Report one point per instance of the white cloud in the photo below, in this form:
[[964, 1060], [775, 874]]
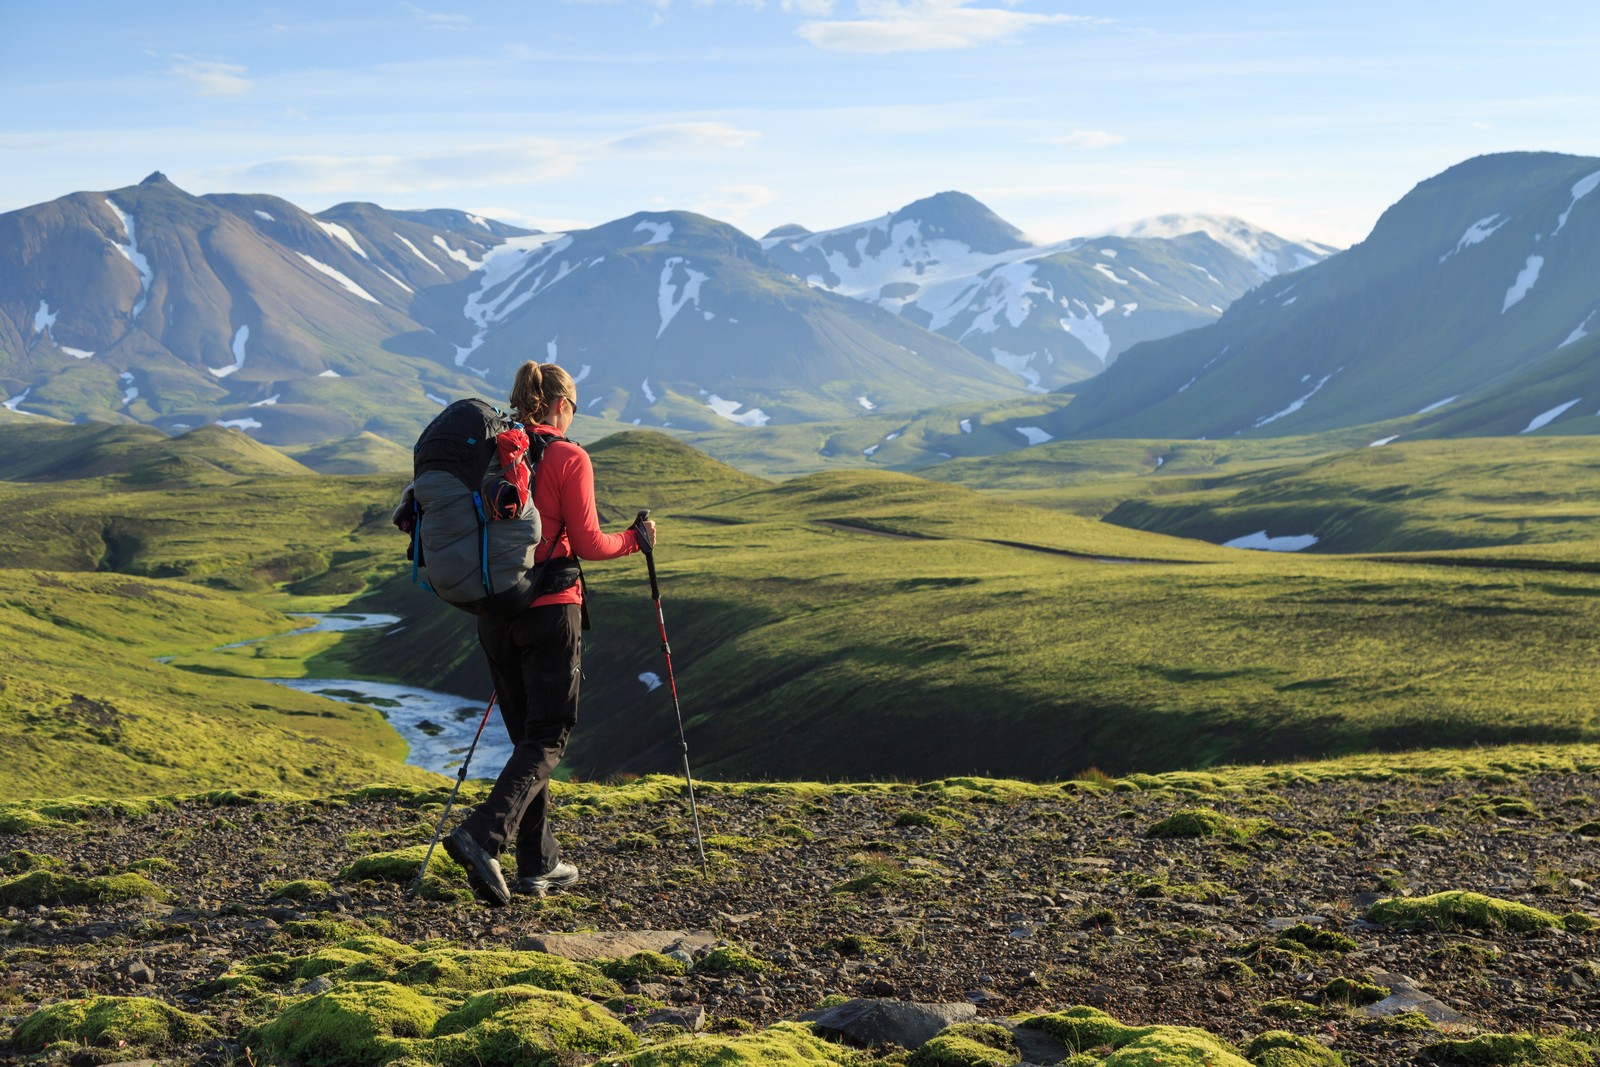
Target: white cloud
[[812, 8], [437, 20], [1085, 139], [520, 161], [679, 137], [214, 79], [924, 26]]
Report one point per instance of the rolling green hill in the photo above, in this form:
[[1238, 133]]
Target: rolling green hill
[[853, 624]]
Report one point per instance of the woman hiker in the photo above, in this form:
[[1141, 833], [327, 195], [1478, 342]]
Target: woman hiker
[[534, 656]]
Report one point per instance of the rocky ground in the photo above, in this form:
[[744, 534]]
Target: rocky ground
[[1173, 906]]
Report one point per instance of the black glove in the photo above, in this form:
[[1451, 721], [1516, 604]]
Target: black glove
[[644, 530]]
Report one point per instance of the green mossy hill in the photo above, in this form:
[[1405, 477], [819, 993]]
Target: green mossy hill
[[50, 888], [1516, 1050], [137, 454], [107, 1022], [1459, 910], [87, 708], [1082, 1029]]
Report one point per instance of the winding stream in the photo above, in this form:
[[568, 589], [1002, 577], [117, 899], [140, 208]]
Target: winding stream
[[437, 726]]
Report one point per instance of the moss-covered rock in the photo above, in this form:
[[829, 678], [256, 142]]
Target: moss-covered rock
[[1458, 910], [445, 879], [360, 1024], [301, 889], [524, 1025], [782, 1045], [1315, 939], [1352, 992], [1513, 1050], [49, 887], [641, 965], [145, 1025], [1279, 1048], [1081, 1029], [968, 1045], [729, 958]]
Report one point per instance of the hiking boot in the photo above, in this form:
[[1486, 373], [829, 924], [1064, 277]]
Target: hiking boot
[[483, 870], [560, 876]]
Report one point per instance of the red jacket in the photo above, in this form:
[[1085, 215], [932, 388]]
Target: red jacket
[[563, 491]]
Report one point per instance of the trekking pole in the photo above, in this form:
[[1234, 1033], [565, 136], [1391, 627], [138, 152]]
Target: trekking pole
[[461, 776], [672, 683]]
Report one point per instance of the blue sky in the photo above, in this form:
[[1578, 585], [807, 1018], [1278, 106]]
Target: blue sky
[[1307, 118]]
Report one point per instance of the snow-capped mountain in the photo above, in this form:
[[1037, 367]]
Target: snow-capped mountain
[[1052, 314], [1472, 308]]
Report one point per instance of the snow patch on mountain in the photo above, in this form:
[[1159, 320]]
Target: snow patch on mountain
[[1089, 332], [649, 395], [1018, 364], [343, 280], [500, 285], [1297, 405], [1582, 189], [672, 295], [456, 254], [11, 403], [264, 217], [330, 373], [1035, 435], [866, 404], [268, 402], [441, 401], [1380, 442], [966, 425], [1542, 420], [130, 392], [240, 338], [342, 235], [131, 251], [478, 220], [1477, 232], [582, 374], [418, 253], [1525, 281], [76, 353], [1437, 404], [44, 318], [397, 281], [1580, 333], [659, 231], [1262, 543], [1109, 273], [239, 424], [729, 409], [1234, 234]]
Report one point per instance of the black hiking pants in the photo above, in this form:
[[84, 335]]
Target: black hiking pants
[[534, 663]]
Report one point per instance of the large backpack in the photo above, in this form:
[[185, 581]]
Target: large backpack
[[473, 525]]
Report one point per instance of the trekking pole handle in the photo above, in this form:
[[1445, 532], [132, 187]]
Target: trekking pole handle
[[649, 552]]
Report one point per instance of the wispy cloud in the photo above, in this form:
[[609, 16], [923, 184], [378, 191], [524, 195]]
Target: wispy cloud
[[924, 26], [1085, 139], [735, 203], [208, 78], [438, 20], [520, 161]]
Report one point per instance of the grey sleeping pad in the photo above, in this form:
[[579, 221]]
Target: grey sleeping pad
[[458, 542]]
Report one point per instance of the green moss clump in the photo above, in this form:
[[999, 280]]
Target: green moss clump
[[1278, 1048], [325, 929], [780, 1045], [1207, 822], [1513, 1050], [637, 842], [20, 819], [1405, 1022], [641, 965], [21, 861], [144, 1024], [1588, 829], [445, 879], [1512, 808], [47, 887], [1352, 992], [1289, 1008], [1317, 940], [1458, 910], [1424, 832], [728, 958], [301, 889], [968, 1045], [1236, 971], [521, 1024], [1081, 1028], [1578, 923], [355, 1025]]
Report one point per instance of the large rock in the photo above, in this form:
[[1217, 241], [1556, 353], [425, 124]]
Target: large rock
[[617, 944], [890, 1022], [1405, 996]]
